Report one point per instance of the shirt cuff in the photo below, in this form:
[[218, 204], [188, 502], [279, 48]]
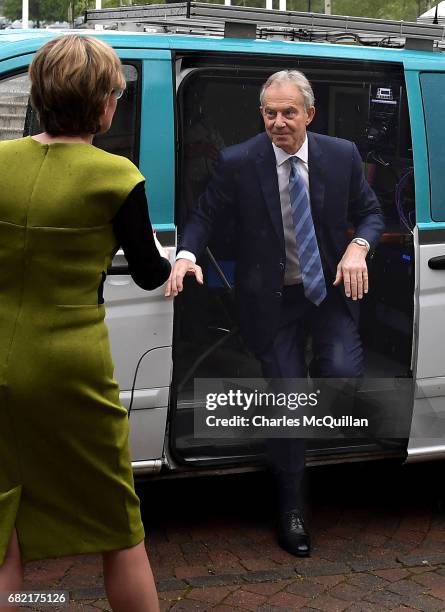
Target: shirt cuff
[[186, 255]]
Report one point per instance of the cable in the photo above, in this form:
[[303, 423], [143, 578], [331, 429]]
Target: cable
[[399, 189], [155, 348]]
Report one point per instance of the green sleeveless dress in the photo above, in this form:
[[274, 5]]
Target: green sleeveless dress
[[65, 471]]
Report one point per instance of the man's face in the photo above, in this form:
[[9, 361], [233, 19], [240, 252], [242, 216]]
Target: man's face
[[285, 117]]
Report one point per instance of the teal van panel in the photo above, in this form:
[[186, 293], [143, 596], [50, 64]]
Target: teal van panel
[[418, 138], [25, 42], [157, 138], [432, 225], [433, 95], [14, 64]]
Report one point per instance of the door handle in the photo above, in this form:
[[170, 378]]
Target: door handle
[[437, 263]]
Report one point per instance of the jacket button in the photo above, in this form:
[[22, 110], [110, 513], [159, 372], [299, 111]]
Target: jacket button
[[278, 294], [281, 265]]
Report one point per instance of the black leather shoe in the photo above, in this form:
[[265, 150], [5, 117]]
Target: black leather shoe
[[293, 535]]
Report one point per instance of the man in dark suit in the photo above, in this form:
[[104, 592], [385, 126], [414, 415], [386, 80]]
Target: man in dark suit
[[293, 195]]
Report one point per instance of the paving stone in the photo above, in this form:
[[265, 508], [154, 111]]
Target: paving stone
[[88, 593], [372, 564], [193, 548], [329, 604], [281, 557], [170, 585], [245, 599], [348, 592], [222, 556], [102, 604], [337, 556], [188, 605], [185, 571], [227, 567], [288, 600], [172, 595], [430, 579], [425, 603], [211, 595], [306, 588], [258, 564], [364, 606], [366, 581], [269, 608], [329, 581], [422, 569], [386, 599], [428, 559], [437, 535], [402, 548], [324, 568], [266, 588], [438, 592], [269, 575], [392, 575], [373, 539], [411, 537], [207, 581], [406, 587]]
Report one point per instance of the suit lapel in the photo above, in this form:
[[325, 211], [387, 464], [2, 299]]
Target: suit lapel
[[316, 177], [266, 165]]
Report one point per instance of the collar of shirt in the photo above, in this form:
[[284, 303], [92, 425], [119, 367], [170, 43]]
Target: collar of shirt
[[302, 153]]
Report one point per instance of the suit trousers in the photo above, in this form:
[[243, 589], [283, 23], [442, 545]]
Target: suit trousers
[[336, 353]]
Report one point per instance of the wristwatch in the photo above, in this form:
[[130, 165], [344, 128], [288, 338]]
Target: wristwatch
[[362, 242]]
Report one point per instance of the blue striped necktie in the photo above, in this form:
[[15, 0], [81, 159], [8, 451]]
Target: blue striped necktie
[[307, 247]]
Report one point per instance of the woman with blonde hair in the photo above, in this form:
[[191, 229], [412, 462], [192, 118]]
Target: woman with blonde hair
[[66, 483]]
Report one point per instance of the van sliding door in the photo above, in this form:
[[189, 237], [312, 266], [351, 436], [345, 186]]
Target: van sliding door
[[218, 106], [427, 96]]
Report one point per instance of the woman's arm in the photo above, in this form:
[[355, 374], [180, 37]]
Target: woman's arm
[[134, 232]]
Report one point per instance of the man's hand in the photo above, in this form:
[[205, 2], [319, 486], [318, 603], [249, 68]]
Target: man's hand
[[180, 269], [353, 271]]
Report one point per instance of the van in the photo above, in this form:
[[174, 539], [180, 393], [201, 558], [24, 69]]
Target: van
[[188, 95]]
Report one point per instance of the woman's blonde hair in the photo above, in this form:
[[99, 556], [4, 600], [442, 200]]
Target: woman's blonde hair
[[71, 77]]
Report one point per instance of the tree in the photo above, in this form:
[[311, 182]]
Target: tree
[[47, 10]]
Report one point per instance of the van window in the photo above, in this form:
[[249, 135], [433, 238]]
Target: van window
[[18, 119], [433, 96], [14, 96]]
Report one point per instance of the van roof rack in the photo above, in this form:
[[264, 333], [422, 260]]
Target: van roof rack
[[203, 18]]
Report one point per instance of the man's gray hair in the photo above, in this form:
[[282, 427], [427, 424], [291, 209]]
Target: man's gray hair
[[291, 76]]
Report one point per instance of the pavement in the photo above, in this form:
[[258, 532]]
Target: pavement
[[378, 544]]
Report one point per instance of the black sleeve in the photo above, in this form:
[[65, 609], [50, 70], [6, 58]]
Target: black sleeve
[[134, 232]]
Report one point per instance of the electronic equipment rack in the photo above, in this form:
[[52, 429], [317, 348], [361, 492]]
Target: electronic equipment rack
[[200, 18]]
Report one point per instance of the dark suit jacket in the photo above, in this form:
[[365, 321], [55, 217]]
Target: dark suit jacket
[[245, 185]]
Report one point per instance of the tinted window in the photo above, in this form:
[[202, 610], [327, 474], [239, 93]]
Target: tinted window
[[14, 96], [433, 95], [17, 118]]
